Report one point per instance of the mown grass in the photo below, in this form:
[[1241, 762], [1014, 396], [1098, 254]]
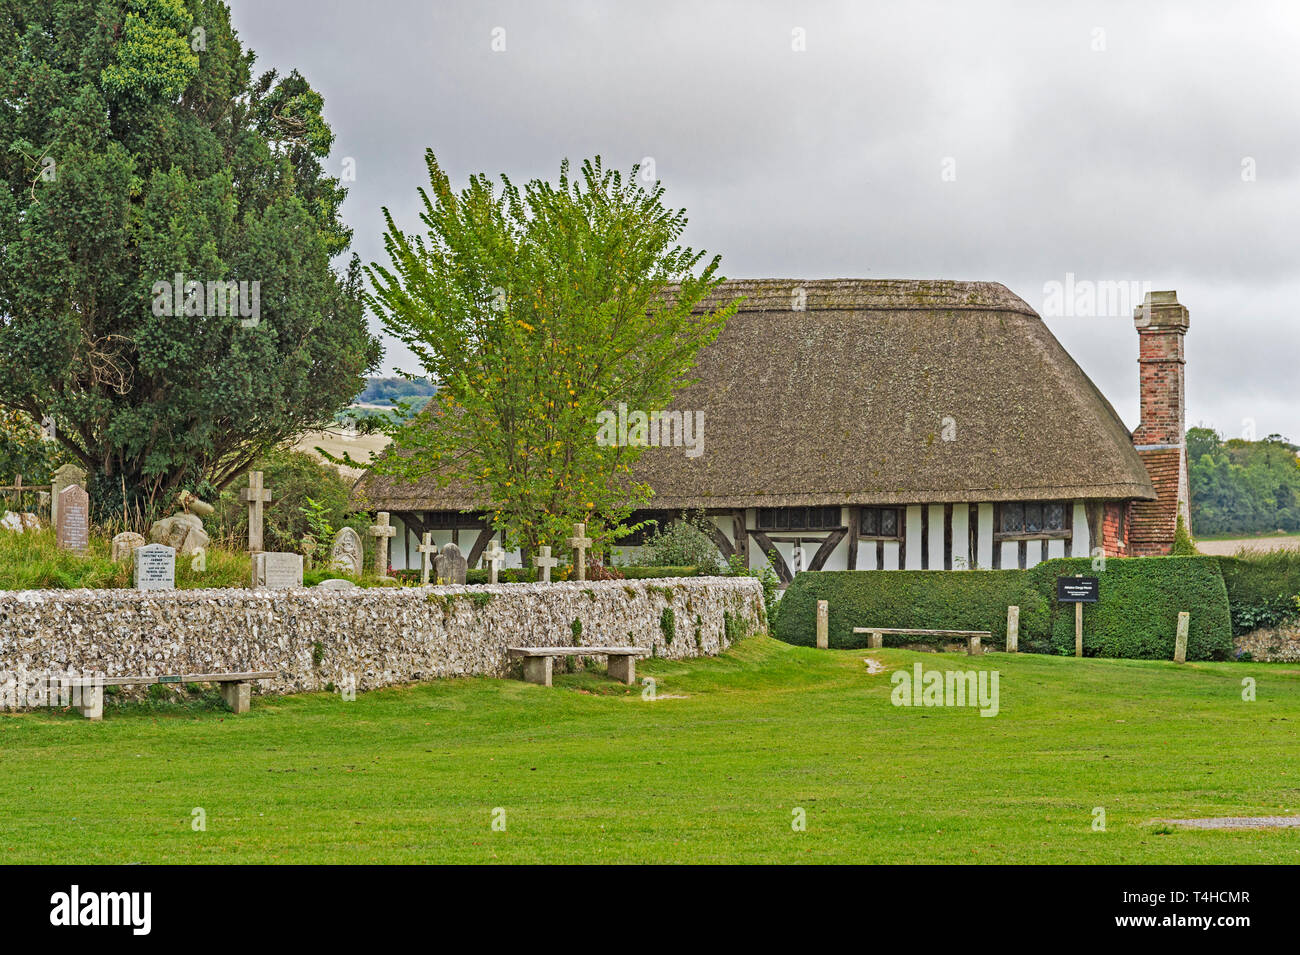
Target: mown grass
[[711, 771]]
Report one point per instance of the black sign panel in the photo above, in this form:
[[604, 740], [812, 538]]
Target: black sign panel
[[1077, 590]]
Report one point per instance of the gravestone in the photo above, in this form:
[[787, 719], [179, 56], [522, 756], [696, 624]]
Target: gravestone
[[428, 552], [335, 583], [346, 554], [494, 557], [155, 567], [273, 570], [451, 566], [124, 545], [72, 531], [544, 562], [382, 531], [580, 542], [65, 476]]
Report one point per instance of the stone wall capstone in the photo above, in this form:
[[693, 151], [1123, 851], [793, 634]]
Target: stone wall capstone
[[365, 637]]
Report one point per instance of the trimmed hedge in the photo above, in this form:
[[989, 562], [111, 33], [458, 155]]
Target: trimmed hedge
[[910, 599], [1136, 618]]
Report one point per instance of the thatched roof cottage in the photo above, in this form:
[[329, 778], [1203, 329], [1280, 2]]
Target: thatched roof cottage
[[870, 424]]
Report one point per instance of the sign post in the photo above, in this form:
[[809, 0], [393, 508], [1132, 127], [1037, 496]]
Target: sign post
[[1078, 590]]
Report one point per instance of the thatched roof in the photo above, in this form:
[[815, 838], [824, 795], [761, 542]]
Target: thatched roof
[[849, 401]]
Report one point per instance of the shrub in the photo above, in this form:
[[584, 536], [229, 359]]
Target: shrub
[[1262, 588], [685, 541], [294, 478], [1137, 616], [668, 624], [911, 599]]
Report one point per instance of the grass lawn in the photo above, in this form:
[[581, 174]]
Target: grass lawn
[[588, 772]]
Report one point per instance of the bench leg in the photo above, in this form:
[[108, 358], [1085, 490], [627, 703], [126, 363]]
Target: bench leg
[[91, 703], [622, 667], [973, 647], [237, 695], [875, 640], [538, 670]]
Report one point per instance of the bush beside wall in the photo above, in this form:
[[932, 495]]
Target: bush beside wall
[[911, 599], [1136, 618], [1262, 589]]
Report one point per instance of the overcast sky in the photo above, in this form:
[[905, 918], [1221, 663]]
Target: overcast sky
[[1139, 142]]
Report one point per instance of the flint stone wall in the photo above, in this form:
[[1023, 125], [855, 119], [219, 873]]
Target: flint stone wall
[[1271, 644], [375, 636]]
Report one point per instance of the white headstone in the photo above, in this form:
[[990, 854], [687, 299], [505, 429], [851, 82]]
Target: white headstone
[[155, 567]]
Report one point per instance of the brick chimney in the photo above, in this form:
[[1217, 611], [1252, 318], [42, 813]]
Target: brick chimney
[[1160, 436]]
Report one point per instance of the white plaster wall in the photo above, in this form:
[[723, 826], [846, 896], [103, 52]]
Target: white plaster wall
[[913, 526], [984, 537], [961, 537], [1081, 543]]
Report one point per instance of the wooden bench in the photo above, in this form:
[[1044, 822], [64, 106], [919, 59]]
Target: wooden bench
[[972, 637], [236, 688], [539, 660]]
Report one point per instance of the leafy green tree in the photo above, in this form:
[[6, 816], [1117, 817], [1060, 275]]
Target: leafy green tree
[[1242, 487], [136, 146], [532, 311]]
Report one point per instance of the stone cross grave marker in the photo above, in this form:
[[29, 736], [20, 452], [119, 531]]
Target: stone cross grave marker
[[428, 551], [494, 557], [544, 562], [155, 567], [276, 571], [580, 542], [255, 496], [381, 531], [72, 532], [451, 565]]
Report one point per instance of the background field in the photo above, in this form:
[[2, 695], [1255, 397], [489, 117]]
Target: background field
[[588, 771]]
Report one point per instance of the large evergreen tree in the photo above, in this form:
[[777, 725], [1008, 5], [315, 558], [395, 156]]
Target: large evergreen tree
[[136, 145]]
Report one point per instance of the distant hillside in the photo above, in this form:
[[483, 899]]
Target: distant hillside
[[1242, 487], [387, 391]]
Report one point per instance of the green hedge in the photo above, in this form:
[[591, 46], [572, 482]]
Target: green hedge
[[1262, 588], [1137, 616], [910, 599]]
